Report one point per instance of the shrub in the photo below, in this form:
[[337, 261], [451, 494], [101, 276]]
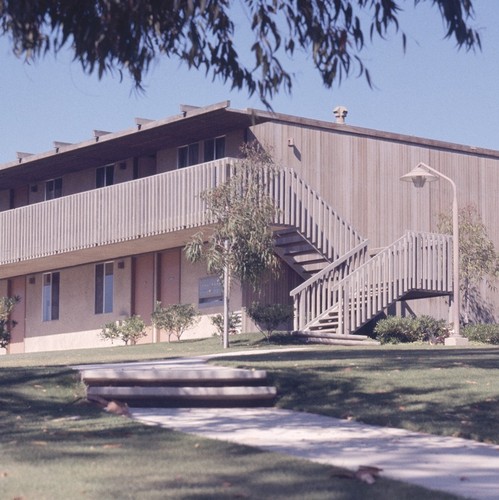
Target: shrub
[[432, 330], [268, 317], [6, 306], [485, 333], [129, 330], [395, 330], [174, 319], [234, 323]]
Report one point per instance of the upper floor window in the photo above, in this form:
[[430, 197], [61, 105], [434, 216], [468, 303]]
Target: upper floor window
[[188, 155], [50, 296], [214, 149], [104, 176], [104, 287], [53, 189]]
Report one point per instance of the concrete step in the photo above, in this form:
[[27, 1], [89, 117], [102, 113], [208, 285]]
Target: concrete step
[[177, 384], [142, 376], [166, 395], [319, 337], [331, 334]]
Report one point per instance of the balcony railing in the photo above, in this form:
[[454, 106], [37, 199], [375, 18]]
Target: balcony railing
[[137, 209], [157, 205]]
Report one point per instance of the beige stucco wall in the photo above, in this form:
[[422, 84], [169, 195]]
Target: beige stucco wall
[[76, 305], [79, 327]]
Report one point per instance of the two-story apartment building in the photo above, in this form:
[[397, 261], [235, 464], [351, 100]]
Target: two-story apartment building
[[93, 232]]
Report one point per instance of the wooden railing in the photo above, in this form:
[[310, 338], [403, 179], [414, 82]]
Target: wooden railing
[[302, 207], [145, 207], [417, 261], [313, 297], [159, 204]]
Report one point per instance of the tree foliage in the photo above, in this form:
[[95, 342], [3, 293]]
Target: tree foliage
[[174, 319], [478, 258], [107, 35], [234, 323], [7, 304], [242, 239], [241, 244]]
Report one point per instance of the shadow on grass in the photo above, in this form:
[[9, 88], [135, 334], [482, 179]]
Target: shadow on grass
[[439, 391]]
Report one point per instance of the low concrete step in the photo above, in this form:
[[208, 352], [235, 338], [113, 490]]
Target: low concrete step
[[324, 337], [134, 393], [170, 375], [183, 384], [331, 334], [322, 340]]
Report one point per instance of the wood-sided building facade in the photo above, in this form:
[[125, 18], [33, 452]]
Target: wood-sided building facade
[[93, 232]]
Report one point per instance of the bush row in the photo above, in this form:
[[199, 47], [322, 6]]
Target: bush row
[[486, 333], [395, 330]]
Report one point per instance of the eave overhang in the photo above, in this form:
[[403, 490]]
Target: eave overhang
[[144, 140]]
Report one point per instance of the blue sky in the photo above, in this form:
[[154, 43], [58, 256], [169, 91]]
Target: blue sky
[[431, 91]]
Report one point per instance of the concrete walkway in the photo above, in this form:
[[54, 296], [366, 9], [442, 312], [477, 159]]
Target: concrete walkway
[[453, 465], [462, 467]]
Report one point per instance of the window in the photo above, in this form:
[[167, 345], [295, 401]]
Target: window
[[210, 292], [188, 155], [104, 288], [53, 189], [214, 149], [50, 296], [104, 176]]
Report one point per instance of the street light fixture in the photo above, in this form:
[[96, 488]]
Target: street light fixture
[[418, 176]]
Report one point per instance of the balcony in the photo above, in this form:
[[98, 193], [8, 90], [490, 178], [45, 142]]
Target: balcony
[[128, 218]]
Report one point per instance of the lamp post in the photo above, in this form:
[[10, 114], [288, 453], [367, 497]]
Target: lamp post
[[418, 176]]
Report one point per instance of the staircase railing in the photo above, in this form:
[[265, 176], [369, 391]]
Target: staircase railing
[[313, 297], [417, 261], [302, 207]]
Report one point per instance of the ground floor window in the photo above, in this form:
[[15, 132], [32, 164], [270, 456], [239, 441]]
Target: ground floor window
[[104, 287], [50, 296], [211, 292]]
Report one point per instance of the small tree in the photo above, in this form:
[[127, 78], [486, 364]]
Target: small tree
[[129, 330], [6, 324], [234, 323], [241, 245], [268, 317], [174, 319], [478, 258]]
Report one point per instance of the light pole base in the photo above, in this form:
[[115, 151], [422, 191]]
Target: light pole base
[[456, 341]]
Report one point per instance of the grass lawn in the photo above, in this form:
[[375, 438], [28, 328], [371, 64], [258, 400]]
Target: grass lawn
[[53, 445], [435, 389]]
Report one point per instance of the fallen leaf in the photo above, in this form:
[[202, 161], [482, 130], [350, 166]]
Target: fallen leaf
[[367, 474], [117, 408]]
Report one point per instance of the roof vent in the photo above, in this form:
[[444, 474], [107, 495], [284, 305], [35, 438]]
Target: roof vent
[[340, 112]]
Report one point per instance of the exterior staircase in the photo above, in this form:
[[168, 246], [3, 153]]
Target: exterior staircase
[[181, 383], [299, 253], [343, 288]]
